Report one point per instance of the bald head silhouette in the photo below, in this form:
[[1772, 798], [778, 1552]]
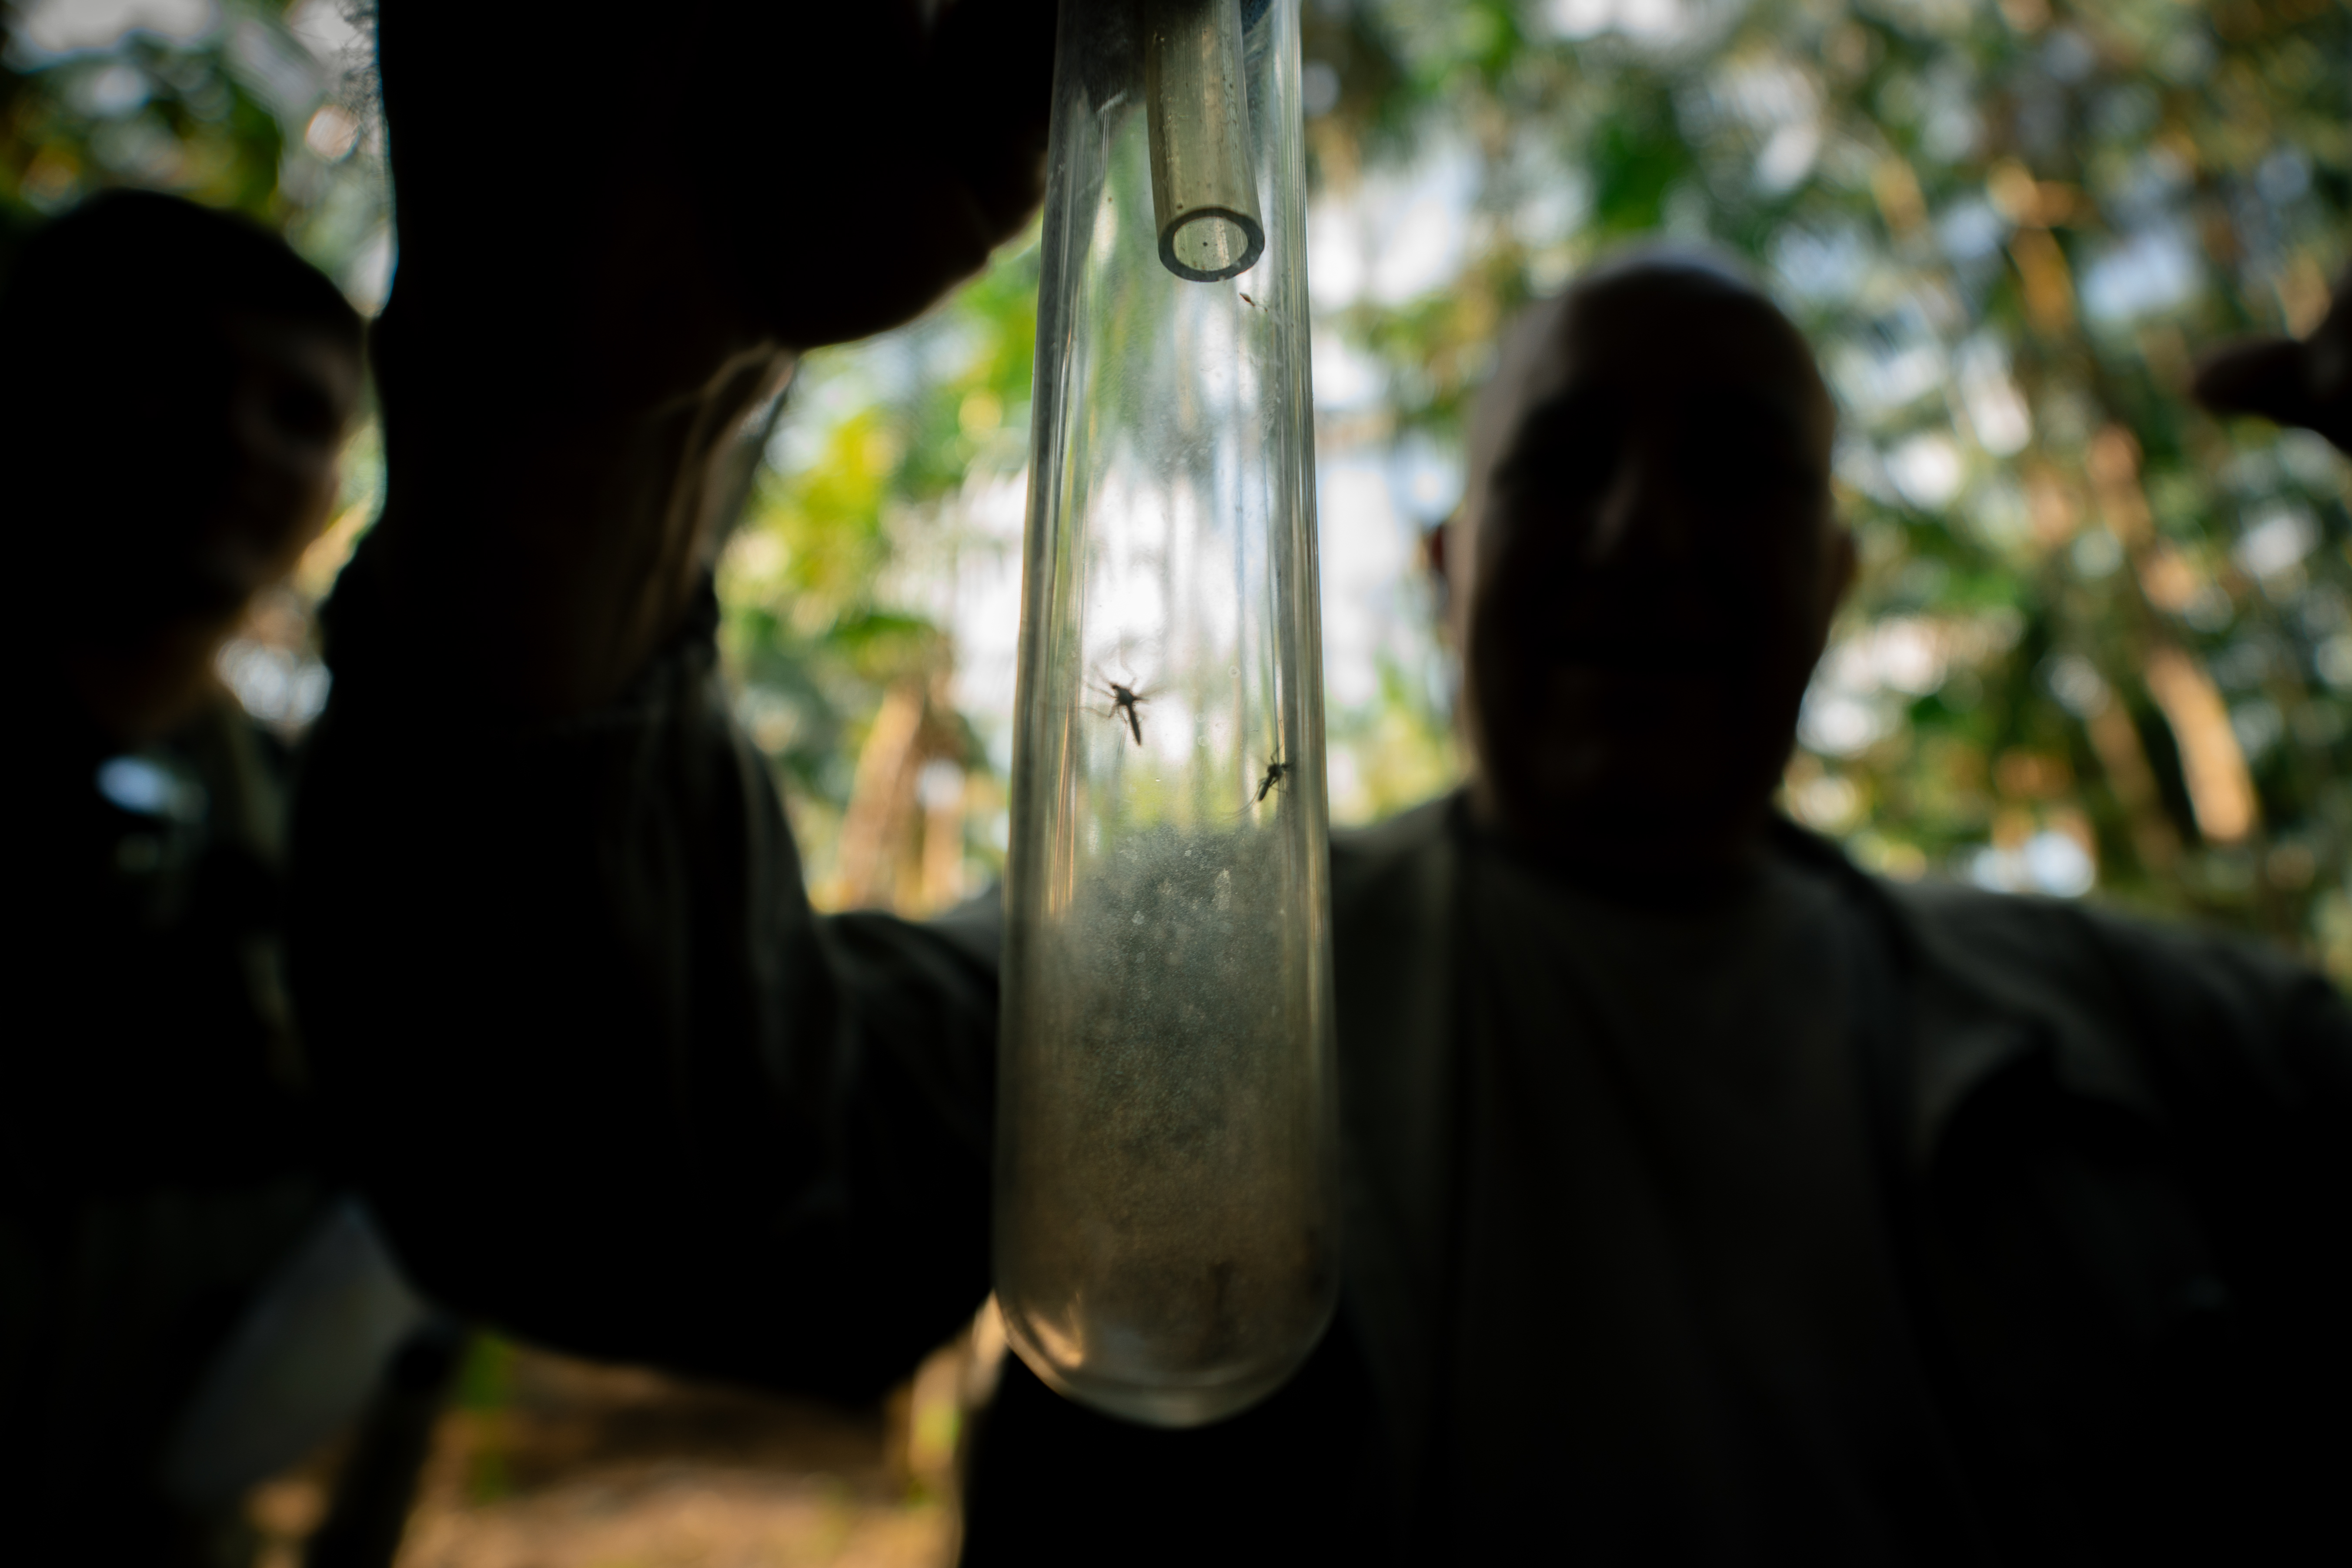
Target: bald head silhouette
[[1645, 568]]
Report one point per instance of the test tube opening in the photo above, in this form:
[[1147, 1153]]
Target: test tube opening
[[1204, 181], [1208, 246]]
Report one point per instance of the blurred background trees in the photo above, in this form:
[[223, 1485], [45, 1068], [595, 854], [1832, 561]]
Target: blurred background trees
[[2102, 643], [265, 109], [2102, 646]]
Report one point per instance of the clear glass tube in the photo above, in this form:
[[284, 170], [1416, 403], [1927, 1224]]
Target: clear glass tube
[[1167, 1195]]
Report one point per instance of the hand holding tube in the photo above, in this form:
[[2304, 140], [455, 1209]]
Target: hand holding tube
[[571, 348]]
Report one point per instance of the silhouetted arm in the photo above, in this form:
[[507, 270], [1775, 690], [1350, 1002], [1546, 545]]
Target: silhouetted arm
[[608, 1081]]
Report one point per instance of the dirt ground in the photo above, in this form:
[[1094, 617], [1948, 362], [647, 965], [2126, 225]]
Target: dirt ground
[[547, 1462]]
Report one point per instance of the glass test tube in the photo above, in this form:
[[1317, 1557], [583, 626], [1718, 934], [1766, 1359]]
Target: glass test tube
[[1167, 1193]]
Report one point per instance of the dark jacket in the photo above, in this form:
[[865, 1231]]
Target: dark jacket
[[155, 1167], [614, 1086], [2119, 1163]]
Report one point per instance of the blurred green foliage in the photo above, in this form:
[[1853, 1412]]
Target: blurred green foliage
[[835, 581], [263, 108], [2099, 640]]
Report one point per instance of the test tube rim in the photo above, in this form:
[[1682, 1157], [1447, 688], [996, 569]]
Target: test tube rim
[[1248, 224]]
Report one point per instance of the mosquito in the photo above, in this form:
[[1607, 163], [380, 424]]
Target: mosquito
[[1125, 702], [1276, 772]]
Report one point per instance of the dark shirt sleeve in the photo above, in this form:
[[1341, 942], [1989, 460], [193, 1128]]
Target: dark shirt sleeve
[[609, 1082], [2251, 1056]]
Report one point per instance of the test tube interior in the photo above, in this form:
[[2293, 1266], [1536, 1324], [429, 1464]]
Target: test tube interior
[[1167, 1201]]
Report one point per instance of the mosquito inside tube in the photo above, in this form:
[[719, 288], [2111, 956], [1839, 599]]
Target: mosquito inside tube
[[1125, 702], [1276, 772]]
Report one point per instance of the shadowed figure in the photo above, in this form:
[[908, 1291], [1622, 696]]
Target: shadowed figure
[[1707, 1200], [1710, 1201], [174, 389], [573, 1014], [1647, 562]]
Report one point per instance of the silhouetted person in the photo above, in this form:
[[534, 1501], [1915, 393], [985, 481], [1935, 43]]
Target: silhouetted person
[[1708, 1200], [583, 1028], [175, 388]]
